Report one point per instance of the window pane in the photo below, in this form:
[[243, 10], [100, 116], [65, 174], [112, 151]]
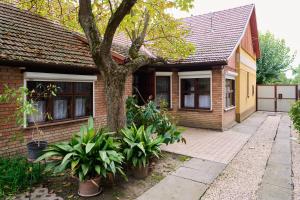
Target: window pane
[[204, 101], [188, 92], [39, 115], [229, 92], [189, 101], [80, 106], [60, 108], [204, 86], [63, 87], [162, 89], [82, 87]]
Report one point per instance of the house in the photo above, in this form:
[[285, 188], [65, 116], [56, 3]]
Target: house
[[35, 51], [215, 86], [212, 88]]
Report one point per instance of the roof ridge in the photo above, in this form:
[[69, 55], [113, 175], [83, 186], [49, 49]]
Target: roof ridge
[[213, 12]]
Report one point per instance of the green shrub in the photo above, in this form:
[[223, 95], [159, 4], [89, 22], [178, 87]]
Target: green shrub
[[89, 153], [295, 115], [140, 146], [149, 115], [16, 174]]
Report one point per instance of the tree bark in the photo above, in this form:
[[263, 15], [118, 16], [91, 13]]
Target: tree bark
[[115, 100]]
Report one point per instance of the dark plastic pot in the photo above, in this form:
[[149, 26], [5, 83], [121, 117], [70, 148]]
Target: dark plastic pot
[[35, 149], [90, 188], [140, 172]]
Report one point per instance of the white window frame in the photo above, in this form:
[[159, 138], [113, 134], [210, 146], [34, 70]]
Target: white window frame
[[165, 74], [196, 74], [231, 76], [54, 77]]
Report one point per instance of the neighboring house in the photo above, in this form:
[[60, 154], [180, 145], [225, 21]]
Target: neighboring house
[[35, 51], [216, 85], [210, 89]]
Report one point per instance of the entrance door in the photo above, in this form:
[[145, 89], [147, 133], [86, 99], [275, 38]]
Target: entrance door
[[276, 98]]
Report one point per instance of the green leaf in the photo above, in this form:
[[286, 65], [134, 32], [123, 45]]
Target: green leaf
[[74, 163], [85, 169], [47, 155], [81, 176], [67, 157], [89, 147], [112, 167], [98, 169], [103, 156]]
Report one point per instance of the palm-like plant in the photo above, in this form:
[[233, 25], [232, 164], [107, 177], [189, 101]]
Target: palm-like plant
[[89, 154], [140, 145]]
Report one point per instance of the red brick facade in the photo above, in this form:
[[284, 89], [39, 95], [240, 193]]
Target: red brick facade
[[217, 118], [9, 144]]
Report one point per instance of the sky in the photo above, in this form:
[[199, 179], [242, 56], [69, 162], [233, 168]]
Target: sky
[[282, 18]]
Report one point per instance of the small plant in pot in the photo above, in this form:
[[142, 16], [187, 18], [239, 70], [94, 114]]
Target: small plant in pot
[[139, 146], [89, 155], [26, 103]]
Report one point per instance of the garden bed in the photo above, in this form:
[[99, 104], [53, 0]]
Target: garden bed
[[67, 187]]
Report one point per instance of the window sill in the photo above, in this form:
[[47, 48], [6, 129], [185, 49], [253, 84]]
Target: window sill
[[229, 108], [195, 110], [57, 123]]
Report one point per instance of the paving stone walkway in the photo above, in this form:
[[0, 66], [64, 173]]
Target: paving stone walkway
[[209, 160], [277, 181], [38, 194]]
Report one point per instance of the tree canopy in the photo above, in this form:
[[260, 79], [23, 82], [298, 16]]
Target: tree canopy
[[276, 58], [164, 35]]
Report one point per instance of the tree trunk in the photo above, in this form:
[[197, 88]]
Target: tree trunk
[[115, 100]]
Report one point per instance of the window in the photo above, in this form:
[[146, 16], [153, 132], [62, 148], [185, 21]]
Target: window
[[72, 100], [163, 90], [229, 93], [195, 93]]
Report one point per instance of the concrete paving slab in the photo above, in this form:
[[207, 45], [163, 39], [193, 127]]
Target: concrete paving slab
[[205, 165], [279, 175], [273, 192], [280, 157], [175, 188]]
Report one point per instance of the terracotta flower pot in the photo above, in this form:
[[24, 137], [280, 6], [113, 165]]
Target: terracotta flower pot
[[90, 187], [140, 172]]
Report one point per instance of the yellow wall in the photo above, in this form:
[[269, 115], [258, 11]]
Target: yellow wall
[[245, 103]]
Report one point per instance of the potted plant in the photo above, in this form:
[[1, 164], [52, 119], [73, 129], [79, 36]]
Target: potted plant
[[139, 147], [89, 155], [26, 106]]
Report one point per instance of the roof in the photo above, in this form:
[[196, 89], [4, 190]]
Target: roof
[[216, 35], [25, 37]]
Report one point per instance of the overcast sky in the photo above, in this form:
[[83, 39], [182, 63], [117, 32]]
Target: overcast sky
[[280, 17]]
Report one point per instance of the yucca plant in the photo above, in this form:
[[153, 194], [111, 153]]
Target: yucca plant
[[89, 154], [140, 145]]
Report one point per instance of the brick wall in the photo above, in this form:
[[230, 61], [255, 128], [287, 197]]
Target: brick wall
[[11, 136], [197, 118]]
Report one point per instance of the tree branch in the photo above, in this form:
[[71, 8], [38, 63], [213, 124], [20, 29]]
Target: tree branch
[[138, 42], [114, 22], [142, 60], [88, 24]]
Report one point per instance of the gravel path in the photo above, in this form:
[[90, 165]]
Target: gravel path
[[241, 178], [296, 166]]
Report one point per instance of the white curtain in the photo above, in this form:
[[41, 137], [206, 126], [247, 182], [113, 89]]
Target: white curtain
[[80, 106], [204, 101], [38, 116], [60, 109], [189, 100]]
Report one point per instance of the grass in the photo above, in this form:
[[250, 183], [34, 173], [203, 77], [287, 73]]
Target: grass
[[16, 175]]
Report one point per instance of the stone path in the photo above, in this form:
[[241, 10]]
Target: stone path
[[192, 179], [38, 194], [215, 145], [277, 182]]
